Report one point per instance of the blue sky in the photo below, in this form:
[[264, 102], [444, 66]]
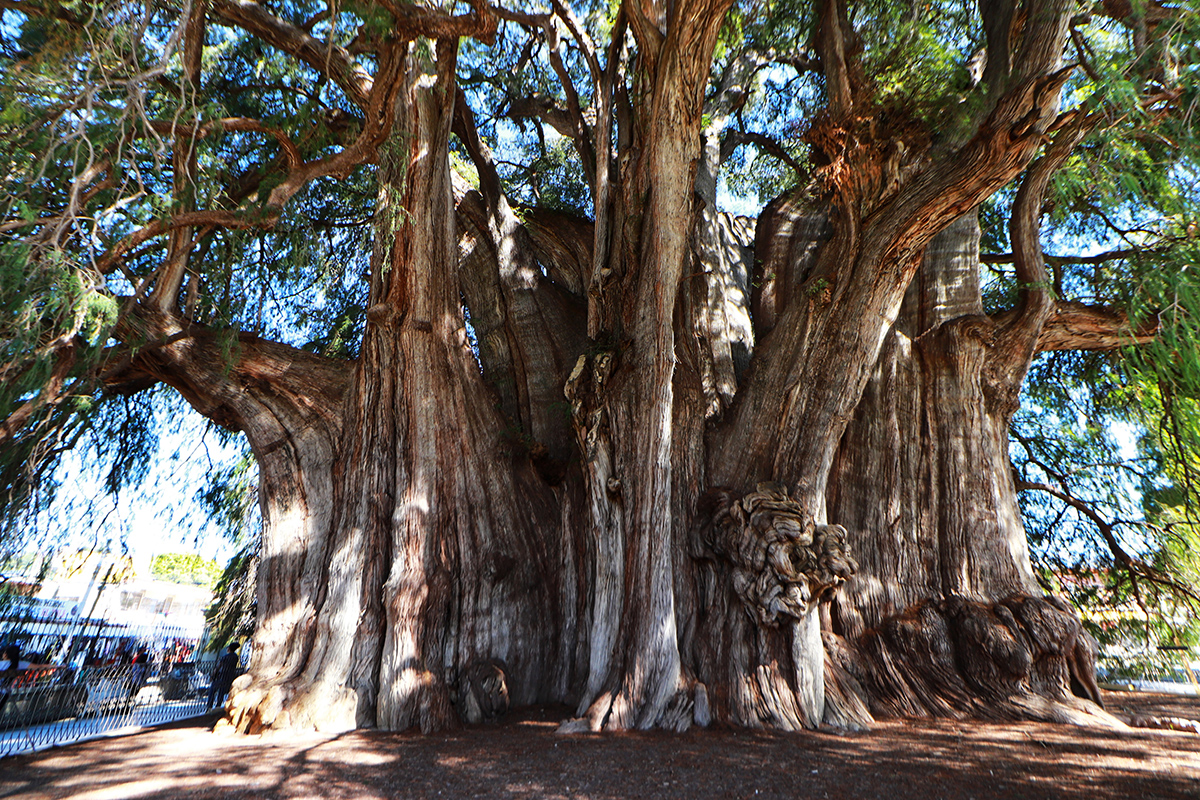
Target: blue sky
[[160, 516]]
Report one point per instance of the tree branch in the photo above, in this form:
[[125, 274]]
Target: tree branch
[[261, 377], [480, 153], [327, 59], [646, 27], [1075, 326], [183, 161], [245, 124], [831, 44], [602, 232], [413, 20], [51, 392], [734, 138], [1059, 261], [570, 122], [1018, 338], [1134, 566], [998, 28], [225, 219]]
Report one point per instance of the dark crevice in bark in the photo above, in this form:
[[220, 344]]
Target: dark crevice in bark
[[529, 330]]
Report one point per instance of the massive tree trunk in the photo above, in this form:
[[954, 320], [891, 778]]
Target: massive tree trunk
[[643, 492], [944, 616], [445, 578]]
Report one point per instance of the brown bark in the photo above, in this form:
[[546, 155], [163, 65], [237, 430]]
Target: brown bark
[[944, 616], [637, 418], [528, 329], [642, 494], [445, 564], [288, 403]]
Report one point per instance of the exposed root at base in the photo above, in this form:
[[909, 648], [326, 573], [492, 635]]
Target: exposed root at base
[[1023, 657], [1166, 724], [255, 707]]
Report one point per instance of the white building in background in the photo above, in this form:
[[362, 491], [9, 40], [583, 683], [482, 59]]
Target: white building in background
[[152, 609], [83, 590]]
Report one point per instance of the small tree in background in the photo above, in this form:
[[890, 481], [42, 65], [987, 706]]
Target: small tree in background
[[186, 568]]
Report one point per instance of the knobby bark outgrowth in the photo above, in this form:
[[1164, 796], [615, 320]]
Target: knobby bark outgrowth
[[696, 468]]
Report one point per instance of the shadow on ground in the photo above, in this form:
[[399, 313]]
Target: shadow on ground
[[525, 758]]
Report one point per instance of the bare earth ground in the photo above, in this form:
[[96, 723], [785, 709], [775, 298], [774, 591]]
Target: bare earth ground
[[525, 758]]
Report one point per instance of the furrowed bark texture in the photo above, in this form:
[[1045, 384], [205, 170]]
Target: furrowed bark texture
[[637, 416], [830, 287], [289, 404], [444, 587], [944, 616], [698, 468]]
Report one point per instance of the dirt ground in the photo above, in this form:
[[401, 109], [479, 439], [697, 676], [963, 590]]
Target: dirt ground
[[524, 758]]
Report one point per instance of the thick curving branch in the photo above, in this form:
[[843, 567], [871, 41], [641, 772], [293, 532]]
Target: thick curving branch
[[1016, 341], [323, 57], [1076, 326]]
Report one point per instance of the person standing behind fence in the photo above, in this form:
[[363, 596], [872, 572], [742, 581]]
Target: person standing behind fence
[[223, 675], [137, 673], [11, 666]]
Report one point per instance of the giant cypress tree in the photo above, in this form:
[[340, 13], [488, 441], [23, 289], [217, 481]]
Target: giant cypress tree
[[534, 419]]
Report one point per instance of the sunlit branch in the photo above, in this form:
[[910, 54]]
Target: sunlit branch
[[413, 20], [646, 30], [1017, 341], [734, 138], [1134, 566], [1076, 326]]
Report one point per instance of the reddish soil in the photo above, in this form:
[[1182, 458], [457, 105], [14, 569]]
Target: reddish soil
[[525, 758]]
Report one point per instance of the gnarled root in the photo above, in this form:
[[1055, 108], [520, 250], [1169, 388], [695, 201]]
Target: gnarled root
[[767, 567], [258, 704], [1023, 657]]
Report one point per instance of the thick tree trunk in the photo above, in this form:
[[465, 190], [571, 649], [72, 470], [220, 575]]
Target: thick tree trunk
[[289, 405], [637, 408], [695, 469], [441, 540], [944, 616], [447, 580]]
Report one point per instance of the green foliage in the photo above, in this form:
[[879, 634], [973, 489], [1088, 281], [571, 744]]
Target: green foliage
[[915, 57], [1120, 433], [87, 97], [232, 614], [186, 568], [230, 498]]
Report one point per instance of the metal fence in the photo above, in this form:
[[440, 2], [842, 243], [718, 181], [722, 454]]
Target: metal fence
[[46, 706]]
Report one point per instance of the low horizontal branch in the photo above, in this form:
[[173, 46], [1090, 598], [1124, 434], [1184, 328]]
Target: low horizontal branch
[[1078, 326], [1057, 261]]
